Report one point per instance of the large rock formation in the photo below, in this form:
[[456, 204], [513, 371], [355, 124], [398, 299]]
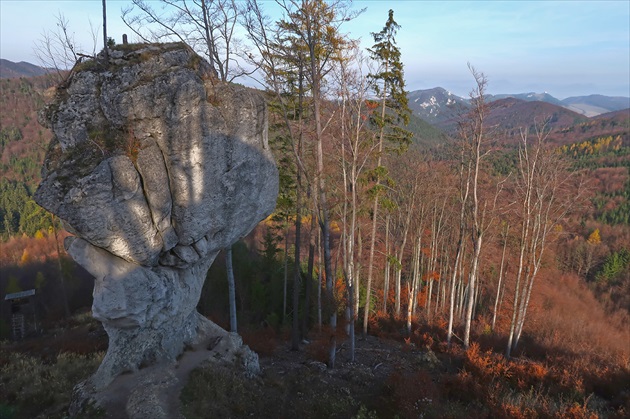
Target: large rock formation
[[155, 166]]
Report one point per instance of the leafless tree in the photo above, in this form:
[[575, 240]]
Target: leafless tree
[[208, 26], [357, 144], [476, 211], [405, 198], [546, 190], [58, 51], [500, 284]]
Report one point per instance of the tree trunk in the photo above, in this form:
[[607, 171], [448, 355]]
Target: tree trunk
[[413, 290], [319, 278], [496, 301], [231, 289], [295, 330], [387, 266], [286, 275], [368, 285], [454, 275], [105, 50], [309, 277], [357, 271], [397, 291], [478, 240]]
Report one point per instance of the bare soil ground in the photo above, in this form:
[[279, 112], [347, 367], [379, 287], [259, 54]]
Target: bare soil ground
[[296, 384]]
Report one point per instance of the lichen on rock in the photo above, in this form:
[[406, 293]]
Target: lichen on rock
[[154, 179]]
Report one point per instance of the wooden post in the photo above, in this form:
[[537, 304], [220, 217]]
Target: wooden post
[[105, 32]]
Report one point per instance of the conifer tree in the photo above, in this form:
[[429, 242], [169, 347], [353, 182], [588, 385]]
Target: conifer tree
[[390, 120]]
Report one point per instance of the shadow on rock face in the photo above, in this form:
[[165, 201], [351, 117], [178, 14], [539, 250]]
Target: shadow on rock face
[[155, 167]]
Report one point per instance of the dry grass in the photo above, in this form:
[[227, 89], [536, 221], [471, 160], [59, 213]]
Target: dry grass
[[32, 388]]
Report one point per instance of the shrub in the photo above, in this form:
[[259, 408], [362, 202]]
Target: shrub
[[30, 387]]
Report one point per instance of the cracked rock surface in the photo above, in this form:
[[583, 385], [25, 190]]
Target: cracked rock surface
[[155, 166]]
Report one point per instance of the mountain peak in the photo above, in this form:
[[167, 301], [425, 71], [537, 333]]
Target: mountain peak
[[436, 104]]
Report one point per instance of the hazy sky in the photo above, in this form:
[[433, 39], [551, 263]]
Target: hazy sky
[[566, 48]]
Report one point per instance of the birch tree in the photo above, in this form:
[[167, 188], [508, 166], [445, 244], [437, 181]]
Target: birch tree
[[500, 284], [474, 136], [465, 170], [405, 197], [476, 211], [356, 148], [546, 191]]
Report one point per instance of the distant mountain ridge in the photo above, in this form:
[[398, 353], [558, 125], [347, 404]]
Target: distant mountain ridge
[[527, 97], [441, 108], [510, 114], [434, 105], [11, 70], [594, 105]]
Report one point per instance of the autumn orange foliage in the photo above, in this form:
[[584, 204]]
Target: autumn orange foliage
[[20, 250]]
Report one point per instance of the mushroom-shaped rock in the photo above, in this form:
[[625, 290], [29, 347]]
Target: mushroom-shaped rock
[[154, 167]]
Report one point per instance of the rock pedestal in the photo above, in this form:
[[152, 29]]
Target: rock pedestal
[[155, 166]]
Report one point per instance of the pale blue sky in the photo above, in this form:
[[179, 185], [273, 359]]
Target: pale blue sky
[[567, 48]]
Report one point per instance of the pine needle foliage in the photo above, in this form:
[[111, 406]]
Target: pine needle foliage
[[389, 85]]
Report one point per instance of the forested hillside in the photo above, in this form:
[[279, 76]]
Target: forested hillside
[[598, 148], [23, 143], [503, 246]]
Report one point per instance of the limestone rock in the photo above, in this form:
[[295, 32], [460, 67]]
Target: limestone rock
[[155, 166]]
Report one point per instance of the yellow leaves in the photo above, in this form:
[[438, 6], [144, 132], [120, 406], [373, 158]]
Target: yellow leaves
[[594, 238], [593, 147], [26, 258], [269, 220], [334, 227]]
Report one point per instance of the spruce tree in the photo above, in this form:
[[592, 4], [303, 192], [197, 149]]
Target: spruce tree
[[389, 119]]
